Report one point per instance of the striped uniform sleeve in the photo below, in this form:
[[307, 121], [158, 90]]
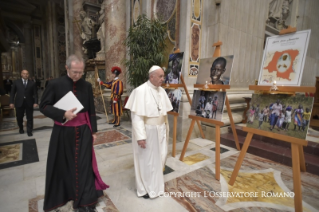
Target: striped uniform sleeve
[[106, 84]]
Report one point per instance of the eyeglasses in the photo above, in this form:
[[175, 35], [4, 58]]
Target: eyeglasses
[[77, 72]]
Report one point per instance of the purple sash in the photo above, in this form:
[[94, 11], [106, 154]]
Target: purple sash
[[80, 119]]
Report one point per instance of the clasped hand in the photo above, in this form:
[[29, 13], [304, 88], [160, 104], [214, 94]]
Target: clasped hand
[[69, 115]]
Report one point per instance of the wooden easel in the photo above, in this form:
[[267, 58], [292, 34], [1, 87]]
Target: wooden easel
[[297, 154], [174, 86], [217, 124]]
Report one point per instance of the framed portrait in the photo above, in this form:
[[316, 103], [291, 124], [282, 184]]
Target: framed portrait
[[215, 70], [174, 68]]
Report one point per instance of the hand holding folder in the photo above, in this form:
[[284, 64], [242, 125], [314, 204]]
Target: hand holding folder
[[68, 102]]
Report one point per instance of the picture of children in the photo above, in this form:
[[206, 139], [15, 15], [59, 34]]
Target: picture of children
[[208, 109], [199, 110], [174, 68], [306, 118], [298, 114], [251, 114], [174, 97], [276, 109], [260, 119], [266, 113], [175, 78], [257, 111], [288, 117], [283, 110], [208, 104], [216, 70], [202, 99], [281, 119], [215, 104]]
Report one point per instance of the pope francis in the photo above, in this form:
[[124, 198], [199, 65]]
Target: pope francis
[[149, 105]]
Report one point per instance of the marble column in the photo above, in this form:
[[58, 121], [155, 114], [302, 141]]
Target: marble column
[[52, 41], [28, 53], [77, 40], [115, 34]]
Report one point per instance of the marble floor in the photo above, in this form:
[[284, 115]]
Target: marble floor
[[189, 185]]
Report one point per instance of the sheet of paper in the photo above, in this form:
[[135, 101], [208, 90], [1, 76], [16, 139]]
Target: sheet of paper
[[69, 101]]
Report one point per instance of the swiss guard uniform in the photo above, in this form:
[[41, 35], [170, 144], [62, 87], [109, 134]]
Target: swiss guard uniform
[[116, 87]]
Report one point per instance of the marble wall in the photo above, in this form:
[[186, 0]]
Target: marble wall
[[240, 25], [308, 19], [76, 26], [115, 34]]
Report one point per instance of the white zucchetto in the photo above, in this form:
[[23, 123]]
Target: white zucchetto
[[154, 68]]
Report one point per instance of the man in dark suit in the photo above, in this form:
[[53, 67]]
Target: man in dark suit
[[7, 83], [25, 97]]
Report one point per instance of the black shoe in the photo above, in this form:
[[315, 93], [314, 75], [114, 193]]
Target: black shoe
[[146, 196], [116, 125], [30, 134], [21, 131], [111, 122]]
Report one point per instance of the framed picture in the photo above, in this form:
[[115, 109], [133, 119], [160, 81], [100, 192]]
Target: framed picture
[[282, 114], [215, 70], [284, 58], [174, 68], [208, 104], [175, 97]]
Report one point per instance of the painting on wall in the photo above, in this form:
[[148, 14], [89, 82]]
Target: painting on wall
[[284, 58], [282, 114], [135, 10], [215, 70], [174, 68], [195, 35], [208, 104], [175, 97]]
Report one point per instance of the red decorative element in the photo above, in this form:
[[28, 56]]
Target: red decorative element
[[272, 66], [116, 68]]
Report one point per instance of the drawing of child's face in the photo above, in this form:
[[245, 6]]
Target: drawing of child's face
[[217, 71]]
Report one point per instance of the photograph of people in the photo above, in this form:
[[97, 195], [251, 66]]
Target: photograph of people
[[283, 110], [174, 97], [216, 71], [208, 104], [174, 68]]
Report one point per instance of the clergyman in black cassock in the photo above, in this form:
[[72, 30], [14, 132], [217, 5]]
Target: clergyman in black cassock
[[70, 174]]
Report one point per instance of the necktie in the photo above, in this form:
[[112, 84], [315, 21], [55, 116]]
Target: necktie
[[25, 83]]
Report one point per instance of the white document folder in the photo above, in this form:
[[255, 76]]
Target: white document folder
[[68, 102]]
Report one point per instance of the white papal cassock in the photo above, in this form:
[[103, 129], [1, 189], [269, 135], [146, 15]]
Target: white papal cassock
[[149, 106]]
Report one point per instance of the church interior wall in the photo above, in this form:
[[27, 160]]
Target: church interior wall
[[308, 19], [240, 25]]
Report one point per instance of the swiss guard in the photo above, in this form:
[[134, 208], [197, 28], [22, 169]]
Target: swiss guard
[[116, 86]]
